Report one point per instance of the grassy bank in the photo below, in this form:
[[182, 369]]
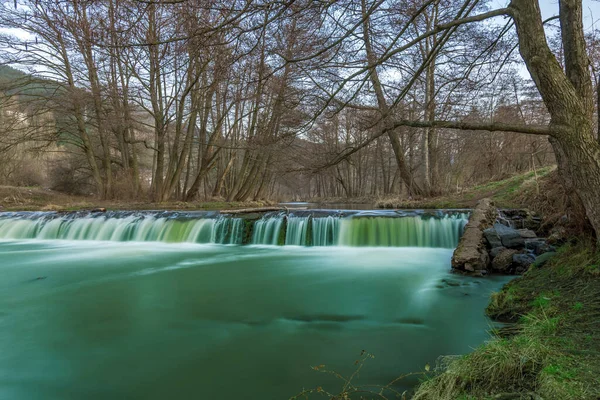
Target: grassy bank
[[553, 350], [38, 199], [512, 192]]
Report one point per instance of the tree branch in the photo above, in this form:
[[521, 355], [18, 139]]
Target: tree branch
[[475, 126]]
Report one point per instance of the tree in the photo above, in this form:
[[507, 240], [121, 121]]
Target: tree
[[566, 92]]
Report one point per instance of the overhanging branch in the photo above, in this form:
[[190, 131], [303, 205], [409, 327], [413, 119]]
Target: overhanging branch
[[542, 130], [475, 126]]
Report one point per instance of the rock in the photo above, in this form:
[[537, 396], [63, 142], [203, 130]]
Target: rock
[[503, 261], [496, 250], [510, 237], [558, 235], [520, 218], [522, 262], [527, 233], [539, 246], [492, 238], [471, 254]]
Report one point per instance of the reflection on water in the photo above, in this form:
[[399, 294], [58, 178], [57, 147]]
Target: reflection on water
[[100, 320]]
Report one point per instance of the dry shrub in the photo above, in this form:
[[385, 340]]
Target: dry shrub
[[123, 187], [71, 175], [29, 173]]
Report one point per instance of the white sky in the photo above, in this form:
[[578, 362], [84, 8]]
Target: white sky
[[550, 8]]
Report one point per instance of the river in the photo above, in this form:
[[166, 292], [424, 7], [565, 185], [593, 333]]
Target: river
[[154, 319]]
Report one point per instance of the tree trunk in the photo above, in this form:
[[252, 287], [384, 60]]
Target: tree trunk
[[579, 169], [568, 97]]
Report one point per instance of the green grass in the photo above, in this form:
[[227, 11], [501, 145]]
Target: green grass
[[555, 353], [504, 192]]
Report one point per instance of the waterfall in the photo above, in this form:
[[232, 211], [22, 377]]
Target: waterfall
[[267, 230], [229, 231], [325, 231], [366, 229], [131, 228], [402, 232], [297, 230]]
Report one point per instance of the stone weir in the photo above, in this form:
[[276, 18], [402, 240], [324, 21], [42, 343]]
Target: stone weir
[[500, 241], [441, 228]]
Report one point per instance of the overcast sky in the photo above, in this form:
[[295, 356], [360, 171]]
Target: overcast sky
[[550, 8]]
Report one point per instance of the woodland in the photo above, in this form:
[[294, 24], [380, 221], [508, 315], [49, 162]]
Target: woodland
[[239, 100]]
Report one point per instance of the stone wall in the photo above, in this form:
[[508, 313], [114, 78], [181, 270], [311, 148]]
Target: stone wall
[[500, 241]]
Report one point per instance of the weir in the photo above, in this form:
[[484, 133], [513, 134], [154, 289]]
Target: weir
[[441, 230]]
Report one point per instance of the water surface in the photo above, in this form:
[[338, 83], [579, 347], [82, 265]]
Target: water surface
[[98, 320]]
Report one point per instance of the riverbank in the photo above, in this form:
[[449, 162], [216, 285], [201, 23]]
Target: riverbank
[[528, 190], [513, 192], [551, 347], [40, 199]]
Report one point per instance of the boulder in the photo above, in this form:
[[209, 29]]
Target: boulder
[[471, 254], [503, 261], [527, 233], [522, 262], [558, 235], [539, 246], [496, 250], [510, 237], [492, 238], [520, 218]]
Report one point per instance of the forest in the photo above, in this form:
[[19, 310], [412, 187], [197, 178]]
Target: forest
[[263, 100]]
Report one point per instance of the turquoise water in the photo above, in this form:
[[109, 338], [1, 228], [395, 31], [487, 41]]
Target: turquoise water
[[153, 320], [374, 229]]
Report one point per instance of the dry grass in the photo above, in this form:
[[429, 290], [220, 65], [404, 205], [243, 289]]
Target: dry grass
[[38, 199]]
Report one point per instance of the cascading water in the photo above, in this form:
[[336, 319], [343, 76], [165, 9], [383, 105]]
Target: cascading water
[[372, 229], [325, 231], [402, 232], [297, 230], [131, 228], [229, 231], [267, 230]]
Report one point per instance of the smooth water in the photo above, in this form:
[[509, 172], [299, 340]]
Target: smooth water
[[362, 229], [141, 228], [135, 320]]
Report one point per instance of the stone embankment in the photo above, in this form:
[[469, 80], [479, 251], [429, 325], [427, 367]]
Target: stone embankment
[[500, 241]]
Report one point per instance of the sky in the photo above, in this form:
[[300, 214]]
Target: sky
[[550, 8]]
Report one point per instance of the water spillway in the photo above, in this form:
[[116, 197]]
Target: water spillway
[[401, 232], [131, 228], [354, 229]]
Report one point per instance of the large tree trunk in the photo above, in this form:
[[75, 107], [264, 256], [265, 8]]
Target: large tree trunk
[[578, 156], [568, 96]]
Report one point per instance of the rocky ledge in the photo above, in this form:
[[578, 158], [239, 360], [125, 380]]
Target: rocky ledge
[[500, 241]]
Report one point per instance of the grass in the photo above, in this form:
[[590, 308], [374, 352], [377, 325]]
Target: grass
[[506, 193], [555, 353]]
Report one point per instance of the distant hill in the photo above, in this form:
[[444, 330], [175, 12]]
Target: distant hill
[[27, 87]]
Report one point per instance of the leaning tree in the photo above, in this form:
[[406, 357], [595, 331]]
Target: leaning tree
[[565, 85]]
